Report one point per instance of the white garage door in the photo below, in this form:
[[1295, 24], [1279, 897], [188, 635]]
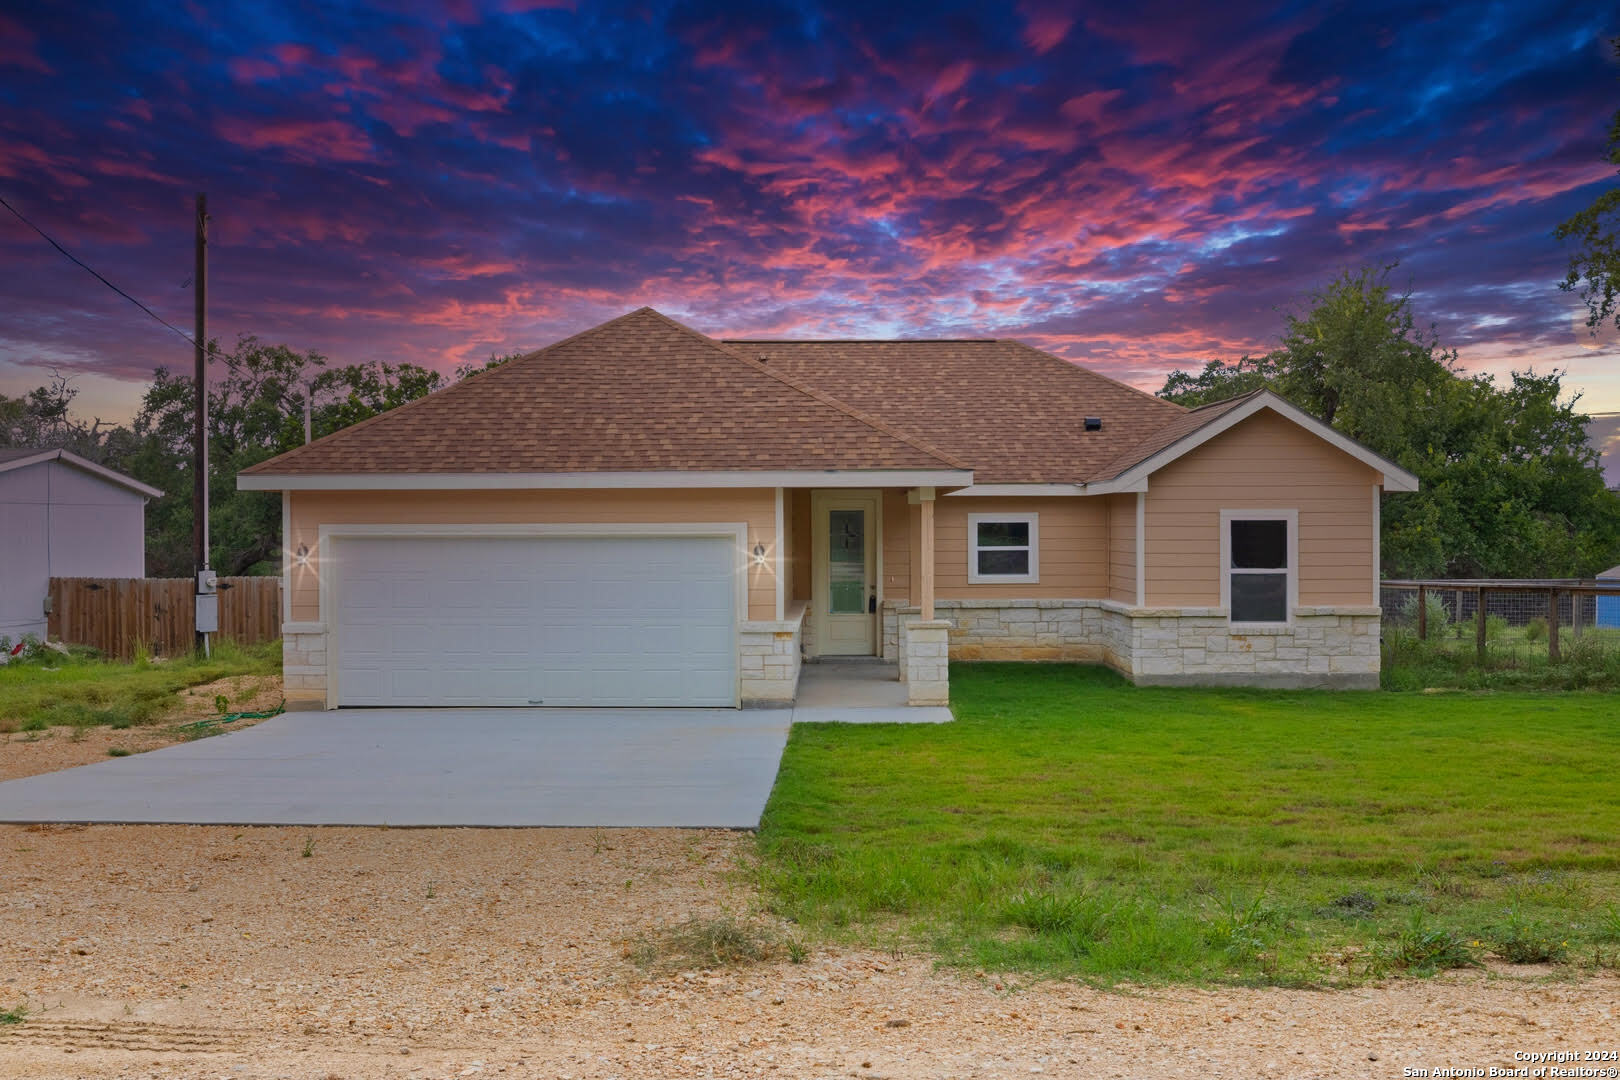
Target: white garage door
[[536, 621]]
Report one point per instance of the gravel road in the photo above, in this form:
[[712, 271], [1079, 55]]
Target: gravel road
[[164, 951]]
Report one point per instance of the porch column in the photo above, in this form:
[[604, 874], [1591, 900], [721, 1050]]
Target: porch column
[[925, 500]]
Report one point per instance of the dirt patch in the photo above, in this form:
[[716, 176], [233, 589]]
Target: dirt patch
[[242, 693], [208, 951], [27, 753]]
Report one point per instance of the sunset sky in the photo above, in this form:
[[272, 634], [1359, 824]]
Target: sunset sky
[[1134, 186]]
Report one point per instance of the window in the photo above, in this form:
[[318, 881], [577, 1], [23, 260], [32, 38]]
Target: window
[[1259, 552], [1003, 547]]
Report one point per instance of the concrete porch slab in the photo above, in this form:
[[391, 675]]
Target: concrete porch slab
[[858, 692]]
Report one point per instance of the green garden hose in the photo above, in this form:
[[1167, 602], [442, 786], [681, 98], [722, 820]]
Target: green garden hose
[[231, 718]]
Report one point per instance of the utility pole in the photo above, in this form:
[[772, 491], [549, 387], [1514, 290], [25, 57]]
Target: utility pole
[[207, 608], [309, 408]]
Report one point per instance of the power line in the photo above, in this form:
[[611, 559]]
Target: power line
[[92, 272]]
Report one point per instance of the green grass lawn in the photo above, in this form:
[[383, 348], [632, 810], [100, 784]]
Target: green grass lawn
[[1071, 824], [83, 691]]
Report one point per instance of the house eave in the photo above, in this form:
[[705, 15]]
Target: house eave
[[528, 481]]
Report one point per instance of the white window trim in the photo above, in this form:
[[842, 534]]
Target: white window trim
[[1034, 575], [1292, 599]]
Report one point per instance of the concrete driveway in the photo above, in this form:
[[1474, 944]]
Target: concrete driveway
[[608, 767]]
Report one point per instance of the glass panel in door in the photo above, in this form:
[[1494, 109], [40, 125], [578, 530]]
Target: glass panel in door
[[846, 562]]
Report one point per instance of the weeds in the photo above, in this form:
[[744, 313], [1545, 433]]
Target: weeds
[[14, 1015], [1529, 941], [1516, 658], [1242, 927], [80, 689], [1422, 949], [309, 848], [723, 941]]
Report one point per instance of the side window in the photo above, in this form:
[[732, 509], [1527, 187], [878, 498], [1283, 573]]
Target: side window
[[1003, 547], [1259, 573]]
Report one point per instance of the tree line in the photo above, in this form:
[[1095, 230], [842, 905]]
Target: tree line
[[1511, 486], [255, 411]]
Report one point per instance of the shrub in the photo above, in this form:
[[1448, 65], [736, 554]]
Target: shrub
[[1536, 629], [1439, 616]]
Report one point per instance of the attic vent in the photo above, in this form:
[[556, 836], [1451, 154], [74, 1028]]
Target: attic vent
[[1093, 423], [764, 358]]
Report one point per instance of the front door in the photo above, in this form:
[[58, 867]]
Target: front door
[[845, 605]]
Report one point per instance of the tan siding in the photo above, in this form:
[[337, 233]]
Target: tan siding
[[1073, 542], [1122, 547], [310, 510], [897, 542], [1265, 463], [799, 526]]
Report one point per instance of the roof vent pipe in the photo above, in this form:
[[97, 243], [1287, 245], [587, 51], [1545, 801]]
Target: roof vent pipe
[[1093, 423]]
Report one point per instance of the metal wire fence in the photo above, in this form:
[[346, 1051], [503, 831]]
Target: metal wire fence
[[1504, 622]]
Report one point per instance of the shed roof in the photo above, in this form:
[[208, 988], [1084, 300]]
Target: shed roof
[[24, 457]]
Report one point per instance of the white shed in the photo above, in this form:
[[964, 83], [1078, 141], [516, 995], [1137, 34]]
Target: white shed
[[63, 516]]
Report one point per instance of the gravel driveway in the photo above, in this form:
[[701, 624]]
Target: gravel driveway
[[162, 951]]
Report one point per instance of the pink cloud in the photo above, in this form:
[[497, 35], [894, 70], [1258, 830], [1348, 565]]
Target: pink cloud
[[301, 140], [17, 44], [248, 69], [1045, 28]]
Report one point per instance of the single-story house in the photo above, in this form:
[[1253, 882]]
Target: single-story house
[[642, 515], [63, 516]]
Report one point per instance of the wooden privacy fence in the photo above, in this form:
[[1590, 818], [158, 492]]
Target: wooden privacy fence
[[114, 614]]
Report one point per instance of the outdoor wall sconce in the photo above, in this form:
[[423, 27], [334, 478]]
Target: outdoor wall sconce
[[302, 556], [759, 554]]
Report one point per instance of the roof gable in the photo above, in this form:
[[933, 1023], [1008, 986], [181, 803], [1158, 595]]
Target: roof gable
[[1201, 425], [640, 393], [23, 457]]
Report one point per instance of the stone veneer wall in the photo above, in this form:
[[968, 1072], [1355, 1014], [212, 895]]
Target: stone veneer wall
[[1324, 646], [769, 654], [925, 667], [303, 665], [1327, 647]]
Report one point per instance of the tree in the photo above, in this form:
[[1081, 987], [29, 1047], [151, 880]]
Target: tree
[[1510, 485], [1219, 381], [469, 369], [255, 411], [44, 418], [1594, 268]]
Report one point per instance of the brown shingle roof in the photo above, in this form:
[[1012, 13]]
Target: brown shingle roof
[[641, 392], [1014, 413], [1170, 434]]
